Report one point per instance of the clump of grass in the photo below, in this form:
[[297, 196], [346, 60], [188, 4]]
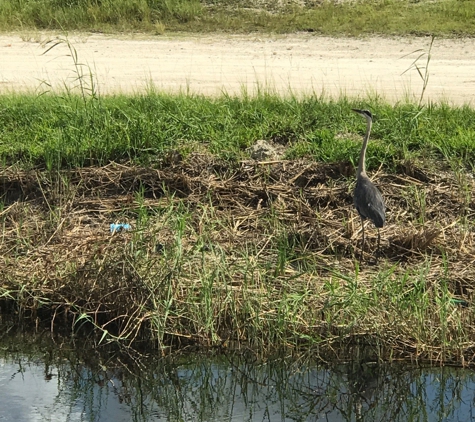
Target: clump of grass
[[393, 17]]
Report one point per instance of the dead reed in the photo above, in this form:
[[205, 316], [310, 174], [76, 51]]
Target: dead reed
[[251, 254]]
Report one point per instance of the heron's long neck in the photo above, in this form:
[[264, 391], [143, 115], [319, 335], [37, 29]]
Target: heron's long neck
[[361, 163]]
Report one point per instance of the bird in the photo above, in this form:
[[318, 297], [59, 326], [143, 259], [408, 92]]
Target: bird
[[367, 199]]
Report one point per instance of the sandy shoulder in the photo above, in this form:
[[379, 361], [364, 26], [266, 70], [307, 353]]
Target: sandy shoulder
[[213, 63]]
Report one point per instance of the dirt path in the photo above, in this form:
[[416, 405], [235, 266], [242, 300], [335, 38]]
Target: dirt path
[[212, 63]]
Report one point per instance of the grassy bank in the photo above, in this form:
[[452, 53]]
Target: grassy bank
[[227, 251], [392, 17], [64, 131]]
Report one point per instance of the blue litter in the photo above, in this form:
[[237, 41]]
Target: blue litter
[[119, 227]]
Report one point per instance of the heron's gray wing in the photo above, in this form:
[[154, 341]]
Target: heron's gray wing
[[376, 214], [369, 202]]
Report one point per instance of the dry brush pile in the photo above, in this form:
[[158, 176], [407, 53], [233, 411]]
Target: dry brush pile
[[261, 254]]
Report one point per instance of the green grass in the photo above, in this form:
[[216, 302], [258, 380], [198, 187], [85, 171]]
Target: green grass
[[390, 17], [54, 132]]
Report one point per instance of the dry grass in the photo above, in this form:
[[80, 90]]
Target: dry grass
[[257, 253]]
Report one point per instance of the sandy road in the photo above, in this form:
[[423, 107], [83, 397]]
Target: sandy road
[[210, 64]]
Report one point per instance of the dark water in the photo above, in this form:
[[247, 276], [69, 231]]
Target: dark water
[[62, 385]]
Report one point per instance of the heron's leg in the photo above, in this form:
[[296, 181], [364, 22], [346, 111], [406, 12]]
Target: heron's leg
[[362, 241], [378, 250]]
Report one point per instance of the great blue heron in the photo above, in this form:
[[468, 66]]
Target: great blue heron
[[367, 198]]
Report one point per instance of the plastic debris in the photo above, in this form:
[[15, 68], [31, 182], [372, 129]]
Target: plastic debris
[[119, 227]]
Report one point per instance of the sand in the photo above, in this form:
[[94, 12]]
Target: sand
[[211, 64]]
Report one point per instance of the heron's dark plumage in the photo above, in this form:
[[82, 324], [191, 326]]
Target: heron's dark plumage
[[369, 202], [367, 198]]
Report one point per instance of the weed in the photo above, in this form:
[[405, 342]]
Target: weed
[[423, 71]]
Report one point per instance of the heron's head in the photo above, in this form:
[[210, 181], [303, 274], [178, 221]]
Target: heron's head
[[365, 113]]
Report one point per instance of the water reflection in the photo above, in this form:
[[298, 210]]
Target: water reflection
[[36, 386]]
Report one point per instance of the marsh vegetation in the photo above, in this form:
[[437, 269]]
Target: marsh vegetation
[[227, 251]]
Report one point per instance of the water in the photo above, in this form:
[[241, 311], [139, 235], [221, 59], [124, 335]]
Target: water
[[63, 384]]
